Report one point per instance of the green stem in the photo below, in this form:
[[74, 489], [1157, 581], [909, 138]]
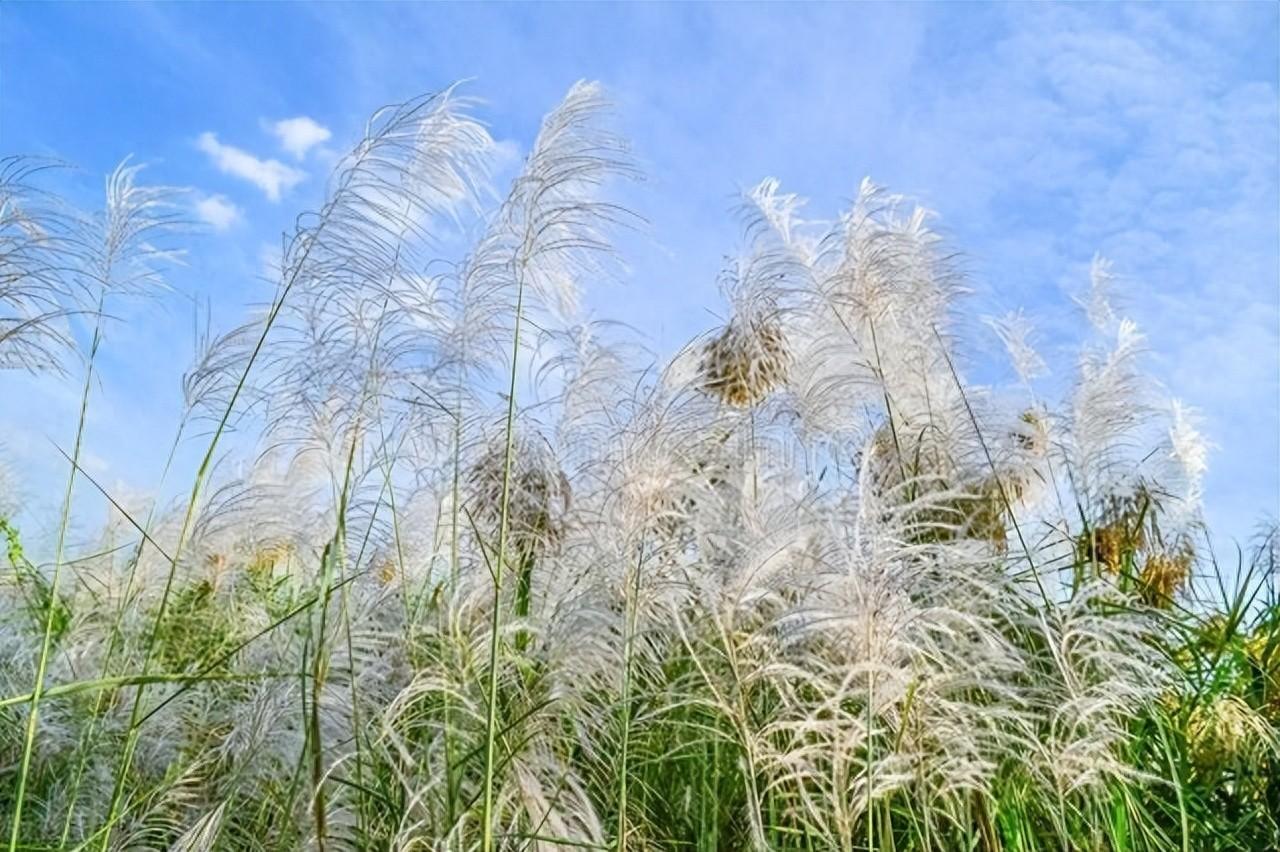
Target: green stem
[[46, 642], [524, 591], [628, 644], [495, 625]]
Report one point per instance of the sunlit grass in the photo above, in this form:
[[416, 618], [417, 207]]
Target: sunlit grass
[[495, 579]]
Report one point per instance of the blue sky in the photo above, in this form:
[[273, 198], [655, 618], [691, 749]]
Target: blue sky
[[1040, 134]]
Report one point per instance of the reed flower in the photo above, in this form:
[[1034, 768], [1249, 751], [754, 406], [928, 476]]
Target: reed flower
[[1114, 543], [745, 362], [1226, 732], [538, 493], [1163, 574], [809, 587]]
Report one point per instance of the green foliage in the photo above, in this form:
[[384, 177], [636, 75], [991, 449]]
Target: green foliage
[[196, 630], [36, 590]]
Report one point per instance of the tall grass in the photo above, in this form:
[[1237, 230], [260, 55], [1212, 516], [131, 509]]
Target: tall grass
[[496, 578]]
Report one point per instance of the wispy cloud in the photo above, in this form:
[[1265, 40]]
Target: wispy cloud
[[271, 176], [299, 135], [218, 212]]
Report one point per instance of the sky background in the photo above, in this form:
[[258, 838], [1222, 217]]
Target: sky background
[[1040, 134]]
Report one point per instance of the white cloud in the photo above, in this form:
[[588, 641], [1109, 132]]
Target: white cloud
[[271, 176], [217, 211], [299, 135]]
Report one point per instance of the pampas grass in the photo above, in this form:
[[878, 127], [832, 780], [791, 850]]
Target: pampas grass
[[805, 586]]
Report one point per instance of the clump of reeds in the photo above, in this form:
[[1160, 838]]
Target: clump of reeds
[[807, 588]]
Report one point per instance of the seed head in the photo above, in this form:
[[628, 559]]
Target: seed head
[[987, 515], [1224, 732], [216, 568], [1162, 575], [745, 362], [1119, 536], [1032, 433], [538, 493]]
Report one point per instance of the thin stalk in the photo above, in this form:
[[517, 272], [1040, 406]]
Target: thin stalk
[[389, 487], [871, 830], [334, 554], [107, 683], [454, 542], [456, 493], [1004, 497], [495, 625], [344, 597], [46, 642], [888, 406], [524, 591], [295, 781], [627, 646], [1177, 785]]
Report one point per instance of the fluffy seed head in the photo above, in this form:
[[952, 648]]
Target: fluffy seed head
[[745, 362], [387, 571], [538, 492], [1032, 433]]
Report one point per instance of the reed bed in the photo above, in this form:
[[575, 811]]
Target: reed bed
[[477, 572]]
